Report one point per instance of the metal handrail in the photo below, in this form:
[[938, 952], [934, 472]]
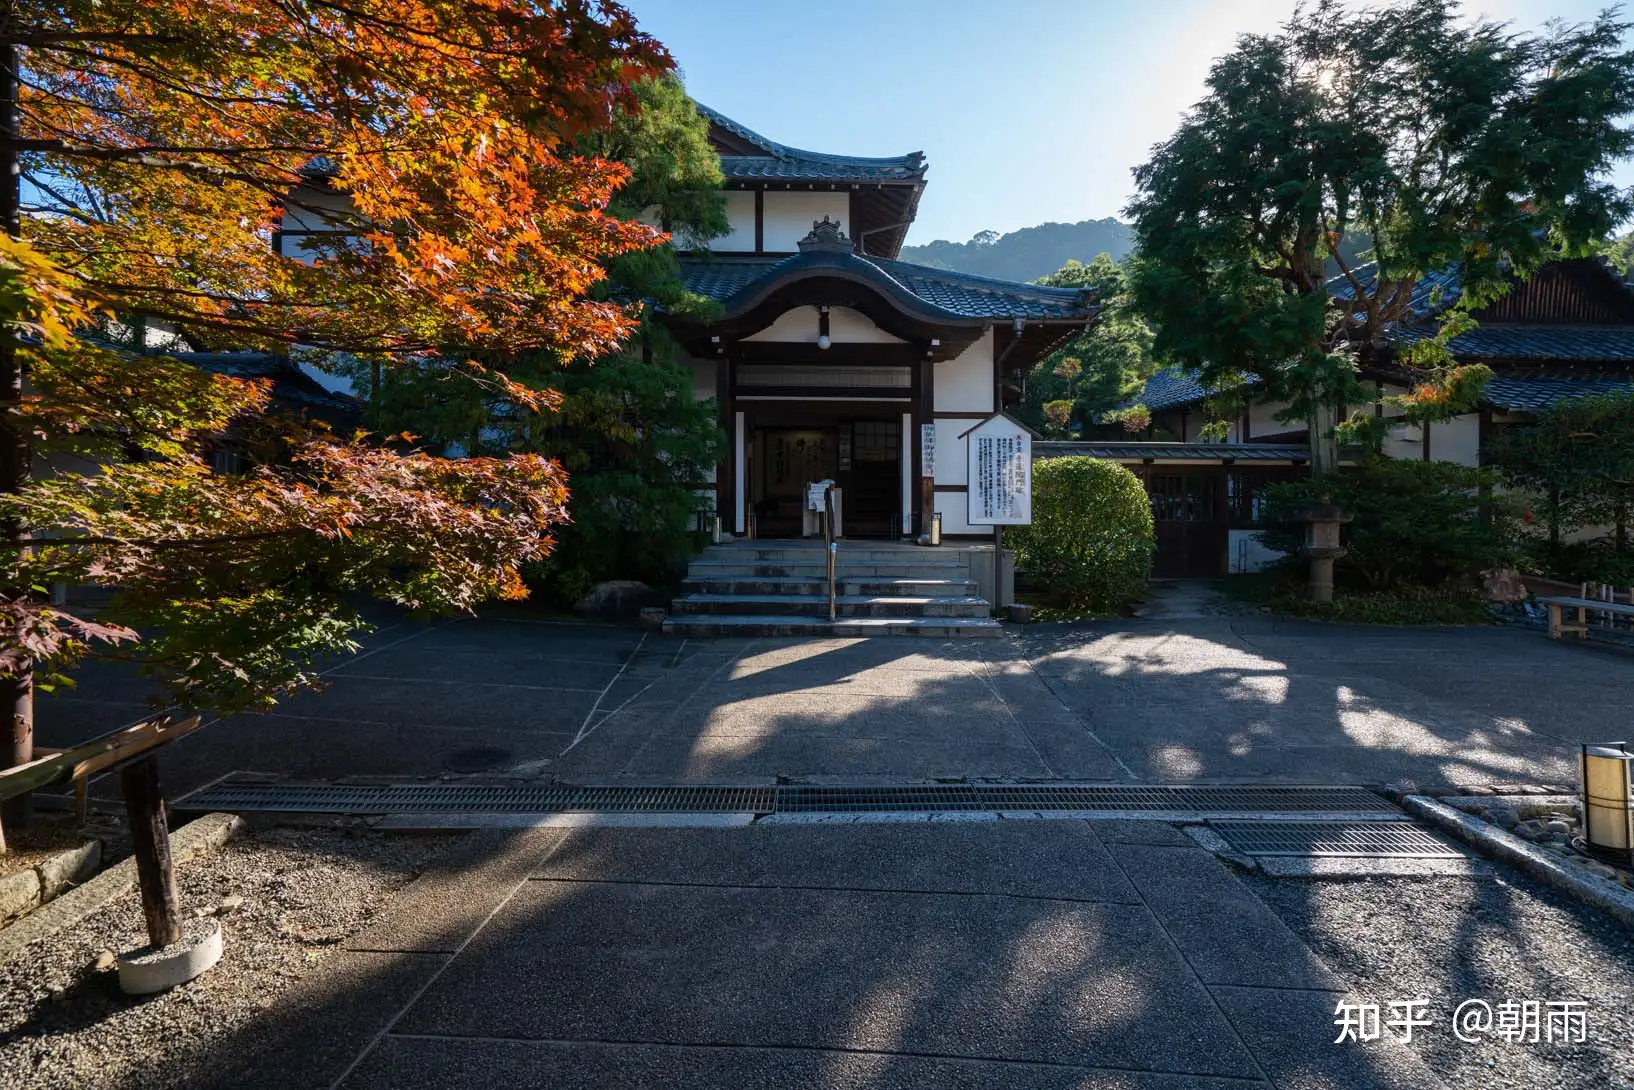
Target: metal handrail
[[831, 548]]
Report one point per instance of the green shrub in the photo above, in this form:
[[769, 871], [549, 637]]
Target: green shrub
[[1413, 523], [1597, 560], [1285, 595], [1090, 545]]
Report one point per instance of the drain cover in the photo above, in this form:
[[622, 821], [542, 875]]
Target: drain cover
[[1378, 839], [431, 798]]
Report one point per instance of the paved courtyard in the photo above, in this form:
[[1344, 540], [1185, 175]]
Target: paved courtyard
[[1035, 955], [1042, 955], [1220, 698]]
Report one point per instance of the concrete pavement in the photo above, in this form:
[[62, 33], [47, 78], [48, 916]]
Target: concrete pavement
[[1211, 698], [981, 954]]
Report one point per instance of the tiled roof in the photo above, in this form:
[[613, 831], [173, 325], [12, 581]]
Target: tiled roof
[[1522, 393], [1173, 388], [984, 297], [1600, 344], [1432, 293], [954, 295], [795, 164], [289, 382], [1133, 452]]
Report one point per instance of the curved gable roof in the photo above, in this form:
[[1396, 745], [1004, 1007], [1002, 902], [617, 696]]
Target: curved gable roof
[[937, 295], [787, 163]]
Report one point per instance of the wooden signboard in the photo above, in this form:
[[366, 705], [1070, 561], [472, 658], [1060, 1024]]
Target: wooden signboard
[[1001, 472]]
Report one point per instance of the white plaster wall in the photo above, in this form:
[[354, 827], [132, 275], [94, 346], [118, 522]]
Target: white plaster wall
[[1262, 419], [1404, 441], [703, 376], [790, 214], [1457, 440], [965, 383], [1244, 553], [305, 209], [954, 507], [799, 325], [740, 216], [952, 453]]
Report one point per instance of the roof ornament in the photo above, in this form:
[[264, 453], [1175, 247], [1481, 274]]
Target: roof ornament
[[825, 238]]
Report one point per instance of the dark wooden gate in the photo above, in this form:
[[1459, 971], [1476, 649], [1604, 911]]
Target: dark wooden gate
[[1188, 518]]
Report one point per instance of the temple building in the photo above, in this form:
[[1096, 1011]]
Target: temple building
[[1566, 332], [829, 357]]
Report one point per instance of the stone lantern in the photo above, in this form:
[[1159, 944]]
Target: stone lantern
[[1322, 521]]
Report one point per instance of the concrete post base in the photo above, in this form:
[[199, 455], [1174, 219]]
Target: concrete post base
[[149, 970]]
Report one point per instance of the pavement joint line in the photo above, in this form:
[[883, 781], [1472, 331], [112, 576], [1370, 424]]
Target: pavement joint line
[[613, 1043], [468, 683], [1163, 929], [1078, 719], [380, 1034], [584, 727], [686, 700], [803, 888], [981, 675]]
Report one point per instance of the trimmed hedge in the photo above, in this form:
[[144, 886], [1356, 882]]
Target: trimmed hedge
[[1090, 545]]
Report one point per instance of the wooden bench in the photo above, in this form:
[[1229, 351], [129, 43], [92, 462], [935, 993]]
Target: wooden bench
[[1581, 607]]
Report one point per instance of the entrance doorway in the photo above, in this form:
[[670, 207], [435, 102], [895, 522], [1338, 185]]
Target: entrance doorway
[[1186, 516], [862, 456]]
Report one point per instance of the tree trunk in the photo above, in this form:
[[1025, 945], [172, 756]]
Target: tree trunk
[[16, 693], [1622, 517], [150, 844], [1324, 442]]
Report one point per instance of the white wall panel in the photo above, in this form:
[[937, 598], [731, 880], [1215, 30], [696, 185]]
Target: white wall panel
[[740, 215], [790, 214], [965, 383], [952, 454], [800, 325]]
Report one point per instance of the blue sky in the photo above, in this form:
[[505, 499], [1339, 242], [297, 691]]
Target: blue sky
[[1028, 110]]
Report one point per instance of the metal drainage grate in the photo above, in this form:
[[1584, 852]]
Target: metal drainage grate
[[672, 800], [1398, 840], [418, 798]]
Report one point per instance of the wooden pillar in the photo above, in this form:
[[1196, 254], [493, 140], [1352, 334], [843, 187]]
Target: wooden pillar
[[150, 844], [926, 415], [724, 473]]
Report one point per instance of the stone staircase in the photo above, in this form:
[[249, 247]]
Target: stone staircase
[[780, 588]]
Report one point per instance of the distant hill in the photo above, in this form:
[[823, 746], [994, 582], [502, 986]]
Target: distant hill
[[1026, 254]]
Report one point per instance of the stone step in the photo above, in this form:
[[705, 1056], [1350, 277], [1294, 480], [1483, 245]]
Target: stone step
[[775, 553], [845, 605], [701, 625], [817, 569], [911, 588]]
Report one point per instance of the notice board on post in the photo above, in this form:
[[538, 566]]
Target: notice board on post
[[1001, 472]]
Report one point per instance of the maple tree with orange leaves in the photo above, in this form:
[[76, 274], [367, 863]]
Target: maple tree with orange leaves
[[158, 144]]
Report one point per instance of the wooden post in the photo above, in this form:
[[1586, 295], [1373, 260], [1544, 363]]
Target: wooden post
[[998, 569], [150, 843]]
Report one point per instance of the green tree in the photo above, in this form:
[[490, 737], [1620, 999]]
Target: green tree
[[1577, 461], [1447, 143], [1620, 252], [1098, 370], [1414, 524]]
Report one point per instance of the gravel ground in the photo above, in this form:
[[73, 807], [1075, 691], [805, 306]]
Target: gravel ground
[[1495, 939], [51, 833], [64, 1022]]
